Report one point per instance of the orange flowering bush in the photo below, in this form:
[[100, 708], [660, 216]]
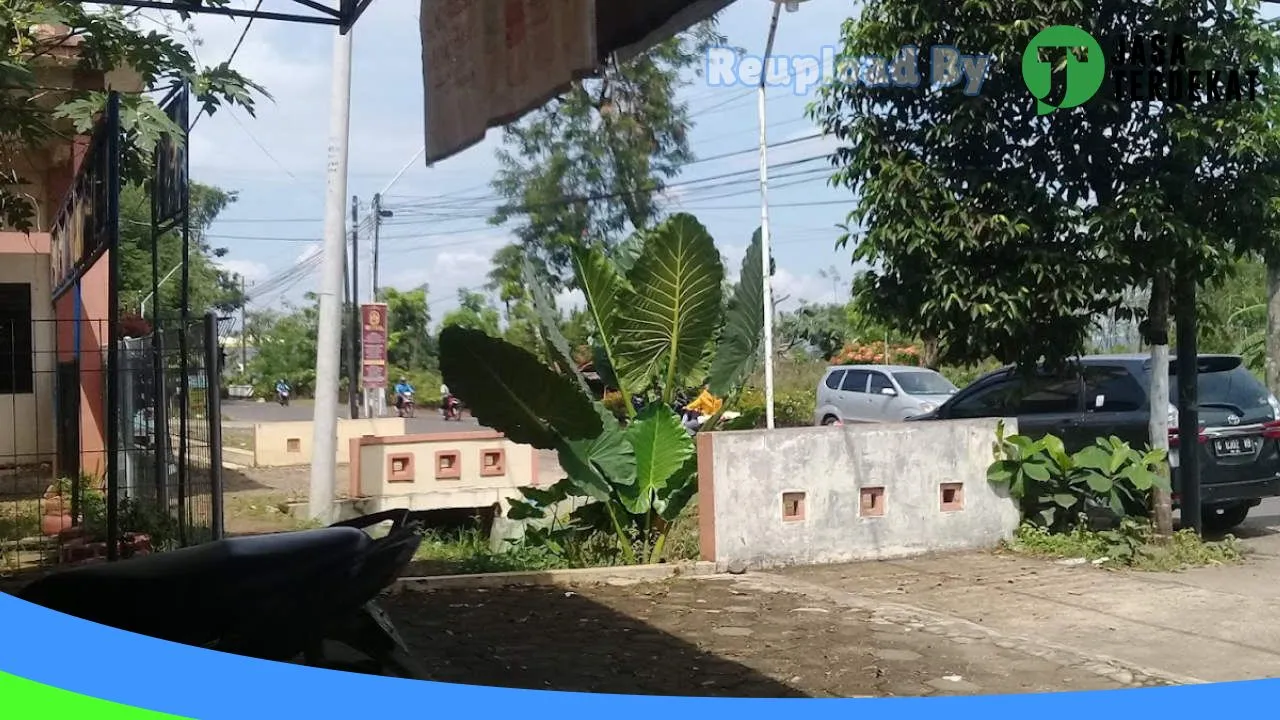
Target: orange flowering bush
[[876, 353]]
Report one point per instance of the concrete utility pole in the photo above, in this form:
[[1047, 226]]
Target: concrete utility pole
[[353, 372], [329, 338], [244, 326]]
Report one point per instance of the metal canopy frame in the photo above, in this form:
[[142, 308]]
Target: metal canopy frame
[[339, 13]]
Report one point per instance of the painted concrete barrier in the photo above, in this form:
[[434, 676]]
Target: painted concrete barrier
[[439, 471], [843, 494], [281, 444]]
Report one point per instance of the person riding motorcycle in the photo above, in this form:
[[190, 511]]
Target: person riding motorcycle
[[445, 397], [282, 390], [403, 392]]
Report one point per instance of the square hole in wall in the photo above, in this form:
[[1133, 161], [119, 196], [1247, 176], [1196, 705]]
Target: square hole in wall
[[448, 465], [400, 468], [871, 502], [493, 462], [792, 506], [293, 445], [952, 496]]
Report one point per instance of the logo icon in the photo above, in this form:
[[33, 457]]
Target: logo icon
[[1233, 420], [1085, 67]]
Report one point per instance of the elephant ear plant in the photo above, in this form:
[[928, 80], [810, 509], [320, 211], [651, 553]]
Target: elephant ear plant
[[657, 308]]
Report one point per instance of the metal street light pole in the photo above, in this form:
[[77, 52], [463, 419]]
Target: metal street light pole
[[142, 310]]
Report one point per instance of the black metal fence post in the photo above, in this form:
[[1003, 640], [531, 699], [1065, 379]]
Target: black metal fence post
[[114, 444], [213, 409]]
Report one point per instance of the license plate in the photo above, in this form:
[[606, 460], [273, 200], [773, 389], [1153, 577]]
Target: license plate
[[1228, 447]]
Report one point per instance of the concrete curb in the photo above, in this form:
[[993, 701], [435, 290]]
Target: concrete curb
[[625, 574], [961, 630]]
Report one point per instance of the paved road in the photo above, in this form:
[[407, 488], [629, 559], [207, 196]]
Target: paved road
[[237, 412]]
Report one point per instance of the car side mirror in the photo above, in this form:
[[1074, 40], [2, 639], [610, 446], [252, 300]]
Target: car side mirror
[[888, 391]]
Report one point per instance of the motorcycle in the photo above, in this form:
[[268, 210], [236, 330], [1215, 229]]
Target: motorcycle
[[452, 409], [282, 396], [405, 406], [287, 597]]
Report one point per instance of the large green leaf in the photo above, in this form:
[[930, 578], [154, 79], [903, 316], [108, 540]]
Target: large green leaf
[[627, 252], [548, 319], [509, 390], [604, 289], [582, 472], [674, 497], [662, 446], [673, 308], [609, 453], [739, 348]]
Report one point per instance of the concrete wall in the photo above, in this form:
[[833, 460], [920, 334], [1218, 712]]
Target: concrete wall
[[27, 427], [843, 494], [438, 471], [280, 444]]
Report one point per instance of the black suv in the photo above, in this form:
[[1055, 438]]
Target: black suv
[[1107, 395]]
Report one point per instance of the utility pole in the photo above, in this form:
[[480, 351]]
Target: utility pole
[[244, 326], [766, 255], [353, 341], [329, 337], [378, 214]]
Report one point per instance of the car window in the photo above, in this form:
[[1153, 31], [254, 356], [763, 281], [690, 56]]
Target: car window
[[879, 382], [923, 382], [1050, 396], [993, 400], [1112, 389], [1236, 386], [855, 381], [833, 379]]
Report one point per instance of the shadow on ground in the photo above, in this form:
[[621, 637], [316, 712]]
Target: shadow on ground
[[546, 638]]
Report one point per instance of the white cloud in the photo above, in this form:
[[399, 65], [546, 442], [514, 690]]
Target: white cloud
[[796, 288], [249, 270]]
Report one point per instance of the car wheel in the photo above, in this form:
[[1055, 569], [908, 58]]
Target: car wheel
[[830, 420], [1222, 519]]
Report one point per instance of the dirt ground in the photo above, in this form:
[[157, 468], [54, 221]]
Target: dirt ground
[[705, 637], [255, 498]]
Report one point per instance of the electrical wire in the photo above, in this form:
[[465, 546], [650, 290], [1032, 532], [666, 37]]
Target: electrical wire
[[227, 63]]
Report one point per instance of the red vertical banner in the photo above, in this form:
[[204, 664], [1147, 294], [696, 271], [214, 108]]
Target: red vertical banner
[[373, 334]]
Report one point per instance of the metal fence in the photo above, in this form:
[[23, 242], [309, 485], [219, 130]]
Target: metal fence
[[56, 504]]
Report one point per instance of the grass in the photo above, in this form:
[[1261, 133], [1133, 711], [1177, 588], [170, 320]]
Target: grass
[[238, 437], [1133, 546]]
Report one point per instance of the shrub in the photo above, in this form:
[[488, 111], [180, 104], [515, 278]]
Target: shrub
[[793, 408], [1106, 481], [662, 329]]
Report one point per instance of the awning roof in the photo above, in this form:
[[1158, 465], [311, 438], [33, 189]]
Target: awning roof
[[476, 89]]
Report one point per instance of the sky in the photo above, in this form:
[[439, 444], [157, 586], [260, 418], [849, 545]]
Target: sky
[[276, 159]]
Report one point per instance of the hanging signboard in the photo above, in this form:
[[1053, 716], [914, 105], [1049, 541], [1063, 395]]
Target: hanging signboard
[[87, 223], [373, 341], [485, 64], [169, 175]]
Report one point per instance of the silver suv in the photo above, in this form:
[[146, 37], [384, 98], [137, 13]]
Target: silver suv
[[878, 393]]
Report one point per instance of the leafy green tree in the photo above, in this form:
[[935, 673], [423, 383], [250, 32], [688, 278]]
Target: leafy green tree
[[1000, 232], [211, 287], [475, 312], [616, 139], [659, 321], [822, 327], [33, 114], [409, 342], [286, 349]]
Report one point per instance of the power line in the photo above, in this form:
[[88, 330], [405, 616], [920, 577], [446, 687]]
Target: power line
[[227, 63]]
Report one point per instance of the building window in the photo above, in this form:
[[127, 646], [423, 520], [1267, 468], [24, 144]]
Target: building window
[[16, 371]]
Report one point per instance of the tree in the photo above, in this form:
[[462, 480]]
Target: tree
[[592, 162], [211, 287], [1001, 232], [822, 327], [475, 312], [409, 341], [32, 115]]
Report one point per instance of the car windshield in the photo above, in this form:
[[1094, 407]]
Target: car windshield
[[1225, 382], [922, 382]]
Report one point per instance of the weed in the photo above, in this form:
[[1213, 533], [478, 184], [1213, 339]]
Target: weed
[[1134, 545]]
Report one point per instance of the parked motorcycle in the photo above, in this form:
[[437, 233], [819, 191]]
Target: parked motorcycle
[[452, 408], [289, 597], [405, 407]]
